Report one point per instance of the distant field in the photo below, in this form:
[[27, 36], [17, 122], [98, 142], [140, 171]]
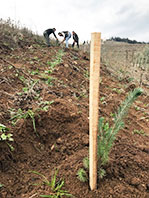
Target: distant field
[[125, 60]]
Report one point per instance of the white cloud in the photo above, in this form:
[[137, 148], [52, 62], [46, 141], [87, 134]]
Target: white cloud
[[127, 18]]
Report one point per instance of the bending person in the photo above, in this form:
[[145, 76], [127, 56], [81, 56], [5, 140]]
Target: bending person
[[66, 35], [47, 34]]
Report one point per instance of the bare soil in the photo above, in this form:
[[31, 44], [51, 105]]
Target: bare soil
[[63, 132]]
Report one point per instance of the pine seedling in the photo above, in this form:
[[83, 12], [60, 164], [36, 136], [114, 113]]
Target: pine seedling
[[82, 175], [123, 109], [86, 162], [82, 172], [107, 135], [101, 173]]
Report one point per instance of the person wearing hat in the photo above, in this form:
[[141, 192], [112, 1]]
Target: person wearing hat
[[47, 34], [66, 35]]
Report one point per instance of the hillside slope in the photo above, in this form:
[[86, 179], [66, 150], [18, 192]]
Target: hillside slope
[[52, 84]]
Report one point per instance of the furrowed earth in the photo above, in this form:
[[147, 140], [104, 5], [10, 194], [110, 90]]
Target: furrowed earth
[[60, 140]]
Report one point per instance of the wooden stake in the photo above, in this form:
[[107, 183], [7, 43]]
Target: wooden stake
[[94, 107]]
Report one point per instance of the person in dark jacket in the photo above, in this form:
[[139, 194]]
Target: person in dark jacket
[[66, 35], [75, 39], [47, 34]]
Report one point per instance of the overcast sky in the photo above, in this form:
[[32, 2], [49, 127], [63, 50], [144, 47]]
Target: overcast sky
[[124, 18]]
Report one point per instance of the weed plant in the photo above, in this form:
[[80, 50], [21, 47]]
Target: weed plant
[[1, 185], [20, 114], [44, 105], [48, 79], [139, 132], [55, 187], [107, 135], [5, 136], [29, 114], [57, 61]]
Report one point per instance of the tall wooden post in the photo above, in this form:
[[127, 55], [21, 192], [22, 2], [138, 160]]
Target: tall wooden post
[[94, 107]]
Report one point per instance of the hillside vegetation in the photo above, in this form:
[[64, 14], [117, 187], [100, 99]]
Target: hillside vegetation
[[44, 117]]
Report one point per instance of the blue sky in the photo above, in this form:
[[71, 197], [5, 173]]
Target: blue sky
[[124, 18]]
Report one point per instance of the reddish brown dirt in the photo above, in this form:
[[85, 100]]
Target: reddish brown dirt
[[62, 140]]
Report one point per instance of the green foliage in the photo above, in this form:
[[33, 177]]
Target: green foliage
[[82, 172], [5, 136], [20, 114], [137, 108], [44, 105], [3, 133], [75, 58], [48, 79], [123, 109], [34, 72], [82, 175], [139, 132], [54, 185], [22, 78], [25, 89], [104, 139], [101, 173], [107, 135], [86, 162], [57, 61], [117, 90], [1, 185], [48, 72], [29, 114], [102, 99], [30, 87], [86, 74]]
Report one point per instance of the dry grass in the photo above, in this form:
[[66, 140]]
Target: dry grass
[[13, 36]]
